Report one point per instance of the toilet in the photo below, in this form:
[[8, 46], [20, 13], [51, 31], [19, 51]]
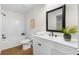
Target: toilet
[[26, 44]]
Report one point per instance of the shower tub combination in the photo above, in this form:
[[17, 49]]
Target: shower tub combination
[[13, 24]]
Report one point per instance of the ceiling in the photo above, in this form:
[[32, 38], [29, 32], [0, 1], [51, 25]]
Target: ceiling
[[20, 8]]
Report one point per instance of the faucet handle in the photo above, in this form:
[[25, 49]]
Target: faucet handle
[[55, 35], [52, 34]]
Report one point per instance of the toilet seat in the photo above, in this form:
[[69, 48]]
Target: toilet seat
[[25, 41]]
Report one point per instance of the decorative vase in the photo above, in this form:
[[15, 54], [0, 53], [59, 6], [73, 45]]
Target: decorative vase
[[67, 37]]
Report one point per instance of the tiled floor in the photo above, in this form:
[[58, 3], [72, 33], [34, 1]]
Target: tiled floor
[[17, 51]]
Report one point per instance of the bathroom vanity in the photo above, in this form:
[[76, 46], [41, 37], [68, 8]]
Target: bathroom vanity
[[48, 45]]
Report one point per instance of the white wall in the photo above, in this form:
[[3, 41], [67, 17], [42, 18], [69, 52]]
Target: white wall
[[12, 27], [39, 14], [72, 16]]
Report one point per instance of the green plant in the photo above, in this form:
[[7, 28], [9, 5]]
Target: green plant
[[71, 30]]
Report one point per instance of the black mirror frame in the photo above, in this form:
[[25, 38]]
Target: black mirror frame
[[63, 18]]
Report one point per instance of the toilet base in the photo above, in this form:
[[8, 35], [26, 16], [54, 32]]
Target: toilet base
[[26, 46]]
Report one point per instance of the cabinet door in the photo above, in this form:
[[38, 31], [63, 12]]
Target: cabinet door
[[45, 50], [36, 48], [41, 49]]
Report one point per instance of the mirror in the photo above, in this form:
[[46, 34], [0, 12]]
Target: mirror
[[55, 19]]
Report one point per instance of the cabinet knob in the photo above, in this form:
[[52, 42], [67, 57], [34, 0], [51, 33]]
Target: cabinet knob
[[39, 44], [78, 54]]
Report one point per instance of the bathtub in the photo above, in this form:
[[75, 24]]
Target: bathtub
[[9, 43]]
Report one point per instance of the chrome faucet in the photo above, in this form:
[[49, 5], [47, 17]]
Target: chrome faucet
[[3, 36]]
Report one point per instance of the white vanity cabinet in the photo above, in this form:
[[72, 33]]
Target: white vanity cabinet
[[43, 46]]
